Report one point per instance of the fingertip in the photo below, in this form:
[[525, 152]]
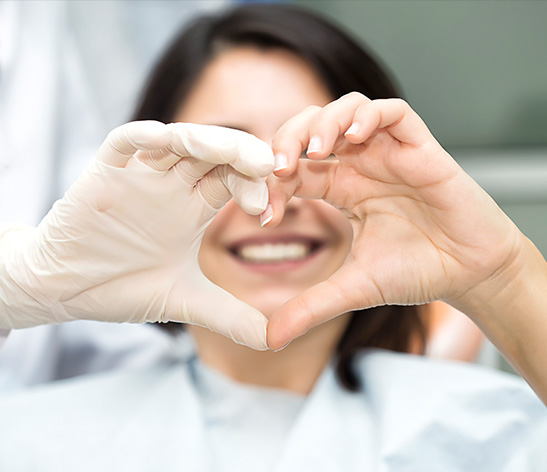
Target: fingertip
[[256, 158], [283, 165], [316, 149], [267, 216], [286, 155], [281, 161], [276, 340], [353, 131], [287, 171], [280, 333], [251, 196], [125, 140], [274, 213], [280, 349], [286, 162], [317, 156], [149, 134], [254, 334], [315, 145], [267, 165], [283, 327]]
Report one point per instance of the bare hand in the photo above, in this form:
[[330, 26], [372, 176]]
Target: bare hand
[[423, 229]]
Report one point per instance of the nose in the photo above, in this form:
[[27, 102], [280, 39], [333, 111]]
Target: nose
[[294, 207]]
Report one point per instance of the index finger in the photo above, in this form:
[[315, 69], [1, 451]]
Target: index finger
[[288, 153], [312, 179], [394, 114], [218, 145], [124, 141]]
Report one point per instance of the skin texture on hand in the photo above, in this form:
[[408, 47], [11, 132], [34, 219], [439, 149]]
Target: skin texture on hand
[[423, 229], [122, 244], [415, 239]]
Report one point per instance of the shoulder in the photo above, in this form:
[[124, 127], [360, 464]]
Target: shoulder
[[418, 373], [423, 382], [453, 412]]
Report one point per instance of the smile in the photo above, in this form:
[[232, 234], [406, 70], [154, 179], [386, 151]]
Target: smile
[[275, 252]]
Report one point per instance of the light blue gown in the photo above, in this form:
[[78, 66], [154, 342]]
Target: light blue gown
[[414, 414]]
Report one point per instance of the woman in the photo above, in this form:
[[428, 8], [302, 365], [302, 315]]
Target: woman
[[234, 408], [333, 57]]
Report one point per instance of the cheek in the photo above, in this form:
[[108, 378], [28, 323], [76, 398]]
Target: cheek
[[335, 223], [220, 221], [211, 246]]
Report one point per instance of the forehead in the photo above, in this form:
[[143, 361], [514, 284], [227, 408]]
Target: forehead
[[253, 89]]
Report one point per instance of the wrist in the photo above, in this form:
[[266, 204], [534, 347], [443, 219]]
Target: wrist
[[521, 280], [510, 308], [20, 306]]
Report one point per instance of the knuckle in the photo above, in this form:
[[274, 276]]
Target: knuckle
[[312, 109], [401, 103], [354, 96], [316, 123]]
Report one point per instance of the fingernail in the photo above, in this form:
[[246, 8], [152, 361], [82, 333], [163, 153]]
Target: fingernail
[[315, 144], [281, 161], [267, 216], [281, 348], [353, 129]]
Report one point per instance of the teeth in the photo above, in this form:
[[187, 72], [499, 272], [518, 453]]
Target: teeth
[[274, 252]]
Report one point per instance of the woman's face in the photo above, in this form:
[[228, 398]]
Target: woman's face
[[257, 91]]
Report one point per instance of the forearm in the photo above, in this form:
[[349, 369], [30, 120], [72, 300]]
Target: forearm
[[511, 309]]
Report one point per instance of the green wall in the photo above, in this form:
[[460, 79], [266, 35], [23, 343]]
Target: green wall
[[476, 71]]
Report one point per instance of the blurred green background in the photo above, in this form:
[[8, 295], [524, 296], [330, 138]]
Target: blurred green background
[[476, 71]]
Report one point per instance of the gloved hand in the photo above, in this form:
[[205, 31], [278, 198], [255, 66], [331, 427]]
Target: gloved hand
[[122, 244]]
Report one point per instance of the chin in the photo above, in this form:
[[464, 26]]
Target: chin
[[269, 301]]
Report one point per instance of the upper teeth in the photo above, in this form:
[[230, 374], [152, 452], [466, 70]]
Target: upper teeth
[[274, 252]]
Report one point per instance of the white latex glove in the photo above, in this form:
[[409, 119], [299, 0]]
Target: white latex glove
[[122, 244]]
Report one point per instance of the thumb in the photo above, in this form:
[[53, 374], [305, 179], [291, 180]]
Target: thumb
[[201, 302], [223, 182], [344, 291]]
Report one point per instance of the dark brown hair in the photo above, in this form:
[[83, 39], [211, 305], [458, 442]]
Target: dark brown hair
[[344, 66]]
